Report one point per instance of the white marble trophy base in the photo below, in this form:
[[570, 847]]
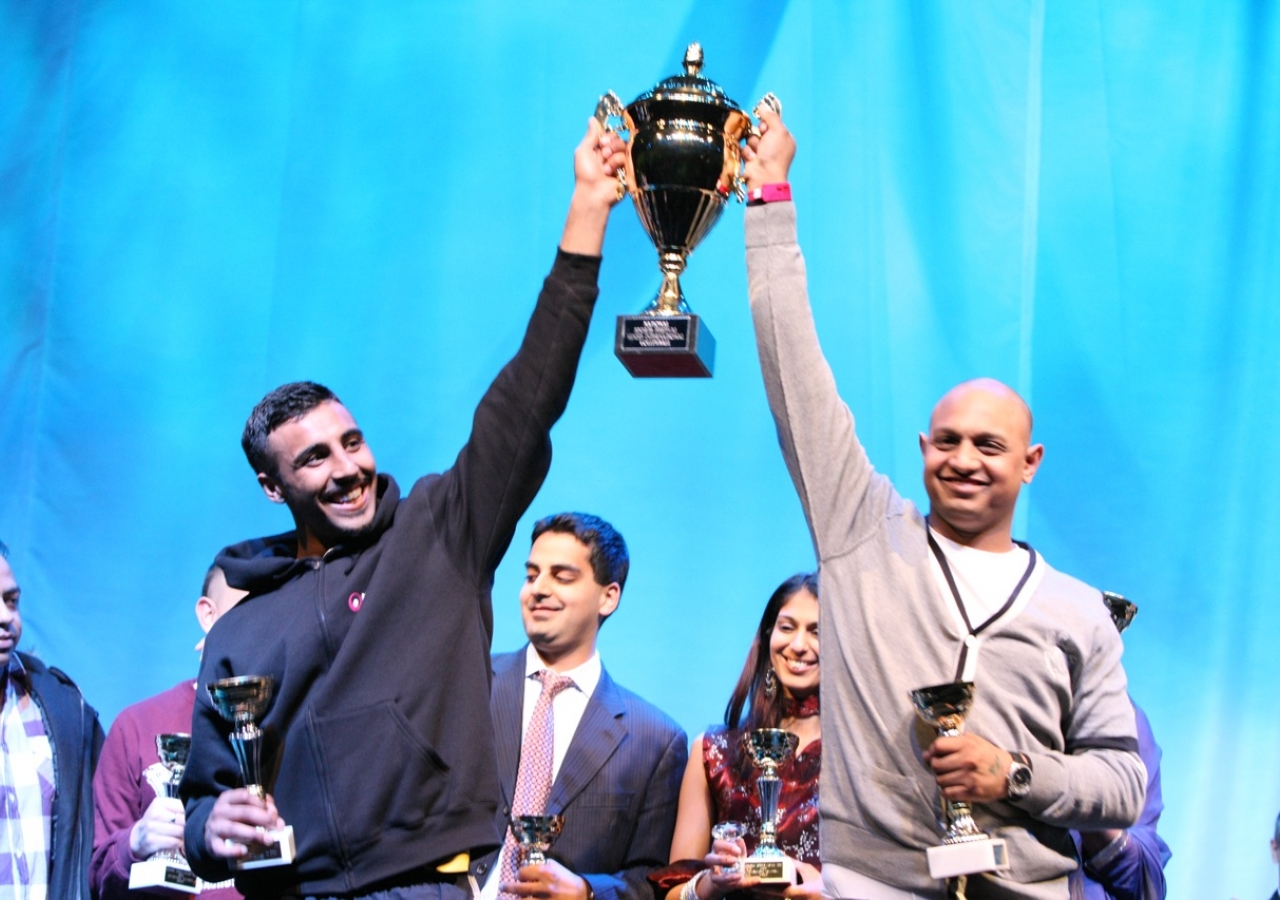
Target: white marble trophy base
[[968, 857], [160, 875], [280, 853], [770, 869]]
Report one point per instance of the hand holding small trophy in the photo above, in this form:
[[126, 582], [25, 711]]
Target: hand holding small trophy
[[965, 848], [769, 748], [243, 701], [166, 871]]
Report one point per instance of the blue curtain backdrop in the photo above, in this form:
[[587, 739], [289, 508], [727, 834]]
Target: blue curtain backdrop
[[199, 201]]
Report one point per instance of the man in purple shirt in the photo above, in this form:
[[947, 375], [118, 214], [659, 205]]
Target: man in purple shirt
[[1126, 864]]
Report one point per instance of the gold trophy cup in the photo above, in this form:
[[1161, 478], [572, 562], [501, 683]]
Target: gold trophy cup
[[769, 748], [683, 162], [243, 701], [167, 872], [965, 849]]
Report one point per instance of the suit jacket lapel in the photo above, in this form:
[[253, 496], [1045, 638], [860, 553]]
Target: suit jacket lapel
[[507, 707], [598, 735]]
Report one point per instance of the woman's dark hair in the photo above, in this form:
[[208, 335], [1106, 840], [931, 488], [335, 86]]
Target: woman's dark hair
[[762, 710]]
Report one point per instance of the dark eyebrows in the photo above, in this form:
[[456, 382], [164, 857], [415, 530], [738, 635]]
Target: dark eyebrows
[[318, 449], [315, 450]]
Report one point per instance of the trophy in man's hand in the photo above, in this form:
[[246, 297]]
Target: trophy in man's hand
[[768, 749], [683, 162], [965, 849], [166, 871], [243, 701], [534, 835]]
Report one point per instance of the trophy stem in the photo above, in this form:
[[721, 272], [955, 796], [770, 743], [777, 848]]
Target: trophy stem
[[246, 741], [670, 300], [769, 787]]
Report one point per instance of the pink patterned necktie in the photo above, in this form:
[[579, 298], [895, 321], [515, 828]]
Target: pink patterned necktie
[[533, 778]]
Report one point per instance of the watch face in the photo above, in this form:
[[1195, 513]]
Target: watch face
[[1019, 780]]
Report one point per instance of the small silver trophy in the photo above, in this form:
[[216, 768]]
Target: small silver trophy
[[167, 871], [683, 163], [965, 848], [769, 748], [729, 831], [535, 835], [243, 701]]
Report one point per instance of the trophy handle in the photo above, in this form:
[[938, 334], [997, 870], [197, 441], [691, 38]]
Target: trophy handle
[[611, 115], [768, 103]]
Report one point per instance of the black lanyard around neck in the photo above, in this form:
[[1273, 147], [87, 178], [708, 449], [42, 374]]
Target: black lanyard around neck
[[955, 592]]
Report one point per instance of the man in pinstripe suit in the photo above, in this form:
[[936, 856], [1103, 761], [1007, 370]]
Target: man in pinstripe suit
[[617, 760]]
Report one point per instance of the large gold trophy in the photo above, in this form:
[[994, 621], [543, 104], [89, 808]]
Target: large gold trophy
[[683, 162]]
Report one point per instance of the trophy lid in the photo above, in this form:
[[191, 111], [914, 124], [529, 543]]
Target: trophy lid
[[690, 87]]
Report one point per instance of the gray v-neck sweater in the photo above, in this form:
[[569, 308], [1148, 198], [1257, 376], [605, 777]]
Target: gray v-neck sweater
[[1049, 679]]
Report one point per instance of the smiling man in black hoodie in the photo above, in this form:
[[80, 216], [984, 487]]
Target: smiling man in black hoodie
[[374, 618]]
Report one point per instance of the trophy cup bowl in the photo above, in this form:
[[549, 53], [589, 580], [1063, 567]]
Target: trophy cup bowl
[[535, 835], [166, 871], [768, 749], [173, 750], [683, 162], [965, 849], [243, 701]]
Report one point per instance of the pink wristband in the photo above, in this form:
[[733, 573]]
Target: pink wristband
[[770, 193]]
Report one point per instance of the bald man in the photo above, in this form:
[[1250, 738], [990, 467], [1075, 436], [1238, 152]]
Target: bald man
[[910, 601]]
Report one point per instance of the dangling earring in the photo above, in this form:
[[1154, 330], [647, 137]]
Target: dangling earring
[[770, 684]]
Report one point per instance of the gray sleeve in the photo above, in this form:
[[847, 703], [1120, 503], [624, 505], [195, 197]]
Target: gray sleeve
[[1100, 780], [815, 428]]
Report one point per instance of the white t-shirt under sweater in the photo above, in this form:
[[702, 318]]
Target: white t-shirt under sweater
[[567, 708]]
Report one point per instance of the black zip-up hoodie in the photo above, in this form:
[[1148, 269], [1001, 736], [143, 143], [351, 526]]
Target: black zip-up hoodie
[[378, 744]]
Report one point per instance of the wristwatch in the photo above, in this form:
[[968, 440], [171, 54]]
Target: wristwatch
[[1019, 776]]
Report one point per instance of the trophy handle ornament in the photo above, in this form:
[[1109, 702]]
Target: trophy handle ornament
[[612, 116], [769, 103]]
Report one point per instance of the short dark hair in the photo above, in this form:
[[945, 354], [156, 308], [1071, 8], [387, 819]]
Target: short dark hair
[[4, 550], [763, 711], [1277, 837], [285, 404], [610, 561]]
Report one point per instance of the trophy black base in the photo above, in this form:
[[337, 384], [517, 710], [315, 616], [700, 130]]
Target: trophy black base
[[280, 853], [770, 869], [163, 876], [677, 346], [968, 858]]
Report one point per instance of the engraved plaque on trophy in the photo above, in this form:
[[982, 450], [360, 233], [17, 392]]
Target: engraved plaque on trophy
[[768, 749], [166, 871], [966, 849], [683, 162], [243, 701], [535, 835]]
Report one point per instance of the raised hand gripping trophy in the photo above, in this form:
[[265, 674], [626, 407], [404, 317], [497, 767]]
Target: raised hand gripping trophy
[[683, 162], [535, 834], [965, 849], [243, 701], [166, 871], [769, 748]]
